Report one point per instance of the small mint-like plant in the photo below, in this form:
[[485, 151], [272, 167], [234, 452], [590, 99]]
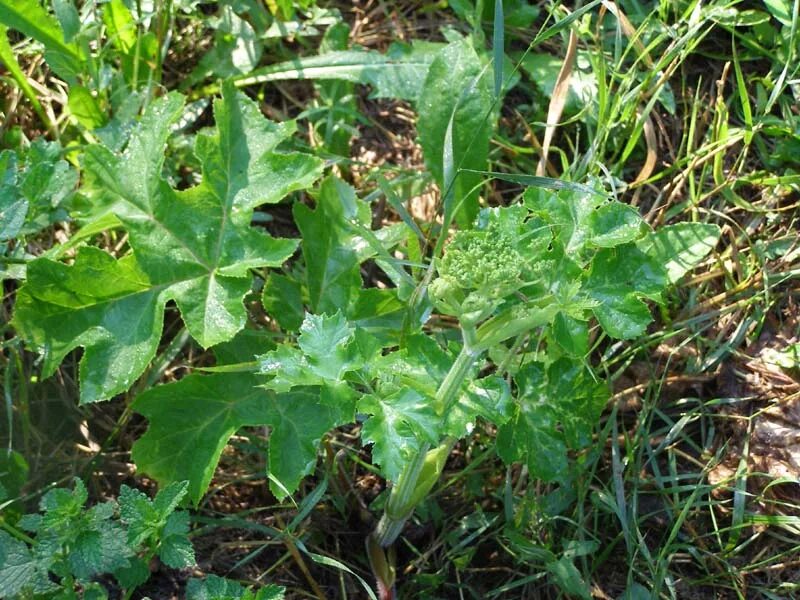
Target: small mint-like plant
[[219, 588], [67, 545]]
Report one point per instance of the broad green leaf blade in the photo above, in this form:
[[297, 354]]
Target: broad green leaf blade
[[13, 208], [133, 575], [329, 348], [568, 578], [245, 47], [324, 340], [282, 298], [135, 176], [218, 588], [379, 312], [299, 419], [288, 368], [558, 408], [68, 18], [240, 162], [136, 511], [421, 365], [169, 498], [18, 569], [488, 398], [60, 504], [109, 307], [195, 247], [121, 25], [211, 306], [570, 212], [205, 230], [13, 212], [236, 49], [617, 278], [399, 73], [333, 347], [781, 10], [332, 269], [48, 182], [571, 334], [681, 247], [337, 238], [192, 420], [85, 108], [456, 88], [614, 224], [176, 549], [35, 188], [214, 588], [627, 266], [532, 436], [636, 591], [543, 69], [100, 549], [621, 315], [577, 399]]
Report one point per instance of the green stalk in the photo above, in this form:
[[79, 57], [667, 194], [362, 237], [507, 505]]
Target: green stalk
[[6, 526], [420, 475], [451, 386], [397, 511]]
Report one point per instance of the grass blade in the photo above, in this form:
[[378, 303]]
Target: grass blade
[[498, 43], [549, 183]]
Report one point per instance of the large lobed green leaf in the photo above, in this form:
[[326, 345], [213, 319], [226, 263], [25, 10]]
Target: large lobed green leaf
[[328, 348], [333, 274], [192, 420], [107, 306], [597, 264], [399, 426], [337, 238], [557, 409], [20, 571], [195, 247], [618, 278]]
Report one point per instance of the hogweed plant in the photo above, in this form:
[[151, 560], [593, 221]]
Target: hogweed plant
[[492, 322]]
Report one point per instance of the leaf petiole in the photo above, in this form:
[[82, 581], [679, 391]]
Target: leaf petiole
[[420, 475]]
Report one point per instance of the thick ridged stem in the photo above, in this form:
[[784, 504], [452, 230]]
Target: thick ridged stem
[[406, 493], [397, 512]]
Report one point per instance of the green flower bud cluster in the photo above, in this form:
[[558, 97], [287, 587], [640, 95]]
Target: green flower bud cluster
[[482, 260], [478, 270]]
